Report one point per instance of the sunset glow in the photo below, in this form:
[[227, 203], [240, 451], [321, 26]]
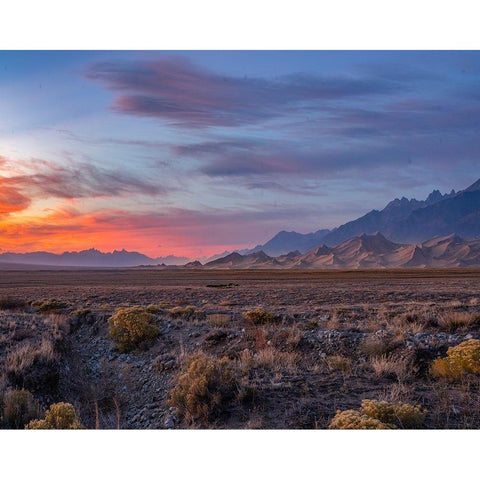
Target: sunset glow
[[194, 153]]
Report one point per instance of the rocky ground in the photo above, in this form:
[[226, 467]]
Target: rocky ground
[[334, 339]]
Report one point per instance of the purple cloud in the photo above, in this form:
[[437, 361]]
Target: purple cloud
[[76, 180], [174, 89]]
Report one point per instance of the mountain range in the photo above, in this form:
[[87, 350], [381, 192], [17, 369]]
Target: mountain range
[[410, 226], [402, 220], [88, 258], [364, 251]]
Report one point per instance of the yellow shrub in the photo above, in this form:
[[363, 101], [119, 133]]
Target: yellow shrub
[[154, 309], [403, 415], [204, 387], [187, 312], [376, 415], [259, 316], [60, 416], [130, 327], [354, 420], [461, 359]]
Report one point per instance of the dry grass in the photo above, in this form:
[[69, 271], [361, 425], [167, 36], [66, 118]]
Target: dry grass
[[25, 356], [405, 324], [271, 360], [376, 346], [259, 316], [452, 321], [387, 366], [287, 338], [339, 363], [334, 322], [12, 303], [34, 367], [219, 320]]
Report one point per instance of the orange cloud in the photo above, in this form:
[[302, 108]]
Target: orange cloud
[[12, 200]]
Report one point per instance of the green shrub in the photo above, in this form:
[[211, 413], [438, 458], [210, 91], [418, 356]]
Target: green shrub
[[60, 416], [204, 388], [259, 316], [461, 359], [375, 415], [132, 327], [19, 407]]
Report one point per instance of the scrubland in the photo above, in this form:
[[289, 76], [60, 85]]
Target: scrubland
[[138, 349]]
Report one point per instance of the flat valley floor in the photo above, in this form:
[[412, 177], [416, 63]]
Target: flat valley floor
[[327, 340]]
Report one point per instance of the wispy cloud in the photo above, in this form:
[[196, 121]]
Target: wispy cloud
[[69, 181], [175, 89]]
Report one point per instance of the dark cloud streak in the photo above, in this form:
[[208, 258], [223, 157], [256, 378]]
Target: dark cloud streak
[[176, 90]]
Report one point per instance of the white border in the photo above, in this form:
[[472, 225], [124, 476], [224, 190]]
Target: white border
[[247, 24], [239, 454], [209, 24]]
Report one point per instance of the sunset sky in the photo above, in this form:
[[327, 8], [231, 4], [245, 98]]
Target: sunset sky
[[194, 153]]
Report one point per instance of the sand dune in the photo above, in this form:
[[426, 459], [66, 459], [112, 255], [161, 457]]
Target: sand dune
[[366, 251]]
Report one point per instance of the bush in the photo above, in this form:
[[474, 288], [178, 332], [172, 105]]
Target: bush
[[402, 415], [187, 312], [354, 420], [132, 327], [154, 309], [19, 407], [378, 415], [60, 416], [461, 359], [259, 316], [49, 305], [205, 387]]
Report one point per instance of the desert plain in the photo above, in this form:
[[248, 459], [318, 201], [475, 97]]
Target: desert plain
[[238, 349]]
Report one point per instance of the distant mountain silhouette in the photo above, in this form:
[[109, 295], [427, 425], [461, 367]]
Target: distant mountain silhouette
[[387, 220], [88, 258], [284, 242]]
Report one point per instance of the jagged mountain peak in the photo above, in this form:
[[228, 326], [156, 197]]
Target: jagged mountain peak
[[473, 187]]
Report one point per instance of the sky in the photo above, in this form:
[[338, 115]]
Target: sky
[[194, 153]]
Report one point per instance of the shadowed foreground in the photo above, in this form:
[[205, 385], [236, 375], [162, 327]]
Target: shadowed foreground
[[146, 348]]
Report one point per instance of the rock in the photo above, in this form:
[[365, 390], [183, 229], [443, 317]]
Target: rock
[[169, 422]]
